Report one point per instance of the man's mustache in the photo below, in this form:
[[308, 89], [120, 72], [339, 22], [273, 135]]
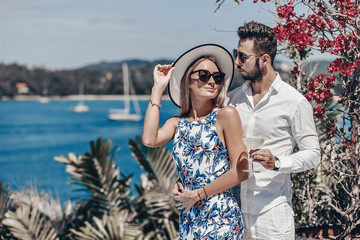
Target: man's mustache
[[239, 68]]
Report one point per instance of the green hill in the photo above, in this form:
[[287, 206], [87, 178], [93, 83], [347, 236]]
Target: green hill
[[99, 79]]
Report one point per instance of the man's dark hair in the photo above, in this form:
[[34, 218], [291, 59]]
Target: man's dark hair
[[263, 36]]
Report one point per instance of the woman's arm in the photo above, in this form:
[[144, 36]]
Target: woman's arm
[[152, 136], [231, 130]]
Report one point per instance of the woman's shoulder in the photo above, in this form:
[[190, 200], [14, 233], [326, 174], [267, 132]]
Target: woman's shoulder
[[227, 116], [227, 111], [173, 120]]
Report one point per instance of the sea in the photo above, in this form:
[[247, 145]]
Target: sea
[[33, 133]]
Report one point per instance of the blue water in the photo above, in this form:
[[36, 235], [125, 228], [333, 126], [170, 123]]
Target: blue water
[[32, 134]]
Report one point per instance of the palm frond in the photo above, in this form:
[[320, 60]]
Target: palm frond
[[4, 207], [155, 205], [157, 162], [45, 204], [98, 173], [158, 204], [4, 199], [27, 224], [171, 229], [113, 226]]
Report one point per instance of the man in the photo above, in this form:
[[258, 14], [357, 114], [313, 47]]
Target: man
[[273, 109]]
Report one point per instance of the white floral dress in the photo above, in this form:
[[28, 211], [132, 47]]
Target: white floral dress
[[200, 158]]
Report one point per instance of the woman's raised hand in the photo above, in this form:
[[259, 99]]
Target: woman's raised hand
[[162, 74]]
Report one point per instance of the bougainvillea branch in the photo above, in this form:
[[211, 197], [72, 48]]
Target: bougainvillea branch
[[331, 27]]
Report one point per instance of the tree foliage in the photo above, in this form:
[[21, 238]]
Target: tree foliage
[[332, 196]]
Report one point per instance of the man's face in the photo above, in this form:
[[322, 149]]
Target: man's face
[[247, 61]]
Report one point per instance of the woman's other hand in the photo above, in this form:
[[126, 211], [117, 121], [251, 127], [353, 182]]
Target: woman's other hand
[[186, 199]]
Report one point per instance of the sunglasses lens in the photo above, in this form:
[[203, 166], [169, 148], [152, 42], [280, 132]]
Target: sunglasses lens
[[219, 77], [235, 54], [242, 57], [204, 76], [239, 54]]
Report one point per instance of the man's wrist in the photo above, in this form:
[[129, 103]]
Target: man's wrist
[[277, 164]]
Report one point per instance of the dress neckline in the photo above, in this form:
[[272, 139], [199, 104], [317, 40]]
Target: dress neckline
[[203, 119]]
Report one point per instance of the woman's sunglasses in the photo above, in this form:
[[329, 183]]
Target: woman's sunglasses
[[242, 56], [205, 75]]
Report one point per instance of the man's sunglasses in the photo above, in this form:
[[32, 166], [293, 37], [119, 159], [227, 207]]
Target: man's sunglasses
[[242, 56], [205, 75]]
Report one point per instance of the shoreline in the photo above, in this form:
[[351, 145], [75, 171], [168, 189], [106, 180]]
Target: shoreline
[[77, 98]]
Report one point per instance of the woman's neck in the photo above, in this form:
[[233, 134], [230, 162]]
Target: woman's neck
[[200, 110]]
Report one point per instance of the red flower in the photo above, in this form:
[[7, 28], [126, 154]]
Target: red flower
[[319, 111], [216, 148], [295, 71], [285, 11]]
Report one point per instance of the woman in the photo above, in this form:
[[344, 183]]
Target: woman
[[208, 149]]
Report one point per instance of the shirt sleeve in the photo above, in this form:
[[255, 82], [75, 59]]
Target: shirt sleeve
[[304, 132]]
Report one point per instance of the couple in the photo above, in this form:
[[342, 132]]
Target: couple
[[208, 149]]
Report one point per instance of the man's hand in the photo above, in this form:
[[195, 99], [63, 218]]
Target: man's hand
[[264, 157]]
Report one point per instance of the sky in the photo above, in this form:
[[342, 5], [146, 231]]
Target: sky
[[66, 34]]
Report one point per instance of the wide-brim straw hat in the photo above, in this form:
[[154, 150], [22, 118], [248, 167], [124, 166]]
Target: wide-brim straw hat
[[223, 59]]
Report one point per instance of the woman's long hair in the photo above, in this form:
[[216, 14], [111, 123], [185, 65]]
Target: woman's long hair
[[185, 101]]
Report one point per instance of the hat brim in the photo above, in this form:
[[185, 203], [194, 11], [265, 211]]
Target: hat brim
[[223, 59]]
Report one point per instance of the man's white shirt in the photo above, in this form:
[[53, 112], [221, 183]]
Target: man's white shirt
[[285, 118]]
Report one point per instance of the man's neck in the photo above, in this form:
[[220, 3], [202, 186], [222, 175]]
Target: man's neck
[[263, 86], [259, 89]]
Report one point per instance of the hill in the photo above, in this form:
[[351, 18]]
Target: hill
[[103, 78]]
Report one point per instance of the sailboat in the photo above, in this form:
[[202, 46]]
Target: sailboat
[[80, 107], [129, 94], [44, 98]]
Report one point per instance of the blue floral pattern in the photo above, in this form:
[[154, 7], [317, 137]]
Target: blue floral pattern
[[200, 158]]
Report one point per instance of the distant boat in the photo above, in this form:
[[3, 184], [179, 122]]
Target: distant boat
[[80, 107], [44, 98], [129, 95]]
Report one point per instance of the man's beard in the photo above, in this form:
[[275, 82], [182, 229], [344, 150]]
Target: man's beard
[[255, 75]]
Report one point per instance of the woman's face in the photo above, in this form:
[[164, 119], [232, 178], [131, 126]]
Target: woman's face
[[204, 90]]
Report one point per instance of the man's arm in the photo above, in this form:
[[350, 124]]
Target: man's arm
[[304, 132]]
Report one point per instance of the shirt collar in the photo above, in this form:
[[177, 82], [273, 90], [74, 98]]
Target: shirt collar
[[277, 84], [246, 85]]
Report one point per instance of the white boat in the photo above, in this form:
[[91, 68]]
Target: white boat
[[80, 107], [125, 114], [44, 98]]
